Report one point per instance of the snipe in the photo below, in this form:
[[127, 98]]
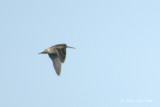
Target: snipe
[[57, 54]]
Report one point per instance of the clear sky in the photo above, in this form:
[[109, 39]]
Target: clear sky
[[116, 62]]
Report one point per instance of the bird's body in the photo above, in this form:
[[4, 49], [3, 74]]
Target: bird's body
[[58, 54]]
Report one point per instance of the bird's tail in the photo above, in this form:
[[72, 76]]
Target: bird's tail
[[44, 52]]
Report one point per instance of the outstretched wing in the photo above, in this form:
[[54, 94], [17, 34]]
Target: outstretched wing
[[56, 63], [61, 54]]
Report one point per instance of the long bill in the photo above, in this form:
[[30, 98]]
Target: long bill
[[71, 47]]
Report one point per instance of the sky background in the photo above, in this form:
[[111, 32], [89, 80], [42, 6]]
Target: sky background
[[116, 62]]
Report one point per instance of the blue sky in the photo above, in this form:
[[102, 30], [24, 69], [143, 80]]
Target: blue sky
[[115, 63]]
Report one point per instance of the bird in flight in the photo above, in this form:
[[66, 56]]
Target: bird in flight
[[57, 53]]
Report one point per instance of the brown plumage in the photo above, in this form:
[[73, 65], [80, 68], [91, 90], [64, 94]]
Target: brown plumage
[[58, 54]]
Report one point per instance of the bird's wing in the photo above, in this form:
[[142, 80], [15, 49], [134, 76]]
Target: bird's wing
[[61, 54], [56, 63]]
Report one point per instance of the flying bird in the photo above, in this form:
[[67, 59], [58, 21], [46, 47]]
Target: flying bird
[[57, 53]]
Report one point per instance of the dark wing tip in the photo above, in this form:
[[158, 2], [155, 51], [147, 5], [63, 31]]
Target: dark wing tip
[[58, 74], [56, 63]]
